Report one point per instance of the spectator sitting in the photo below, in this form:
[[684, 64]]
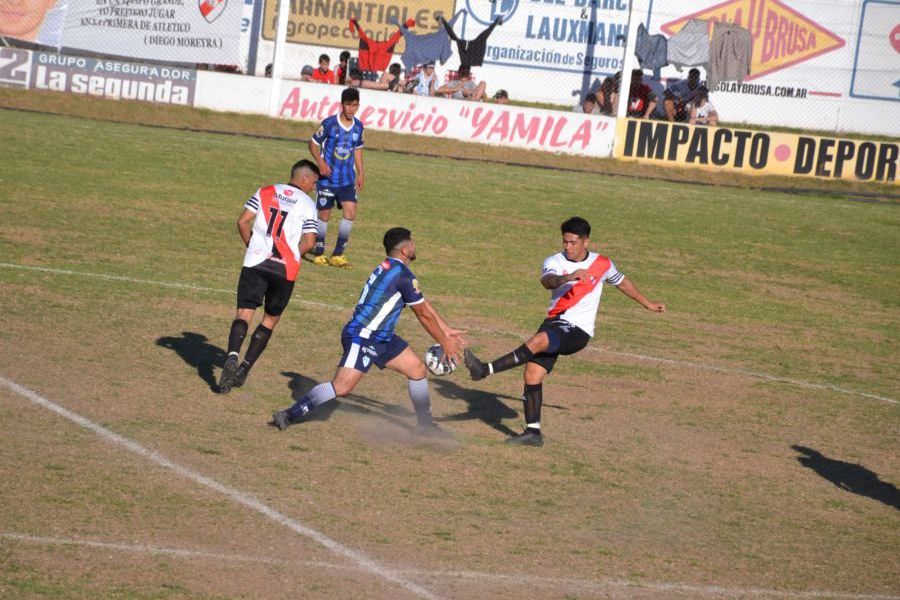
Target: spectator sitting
[[588, 106], [355, 78], [425, 81], [609, 94], [390, 80], [641, 99], [501, 97], [679, 97], [323, 74], [342, 70], [306, 73], [463, 88], [269, 70], [702, 111]]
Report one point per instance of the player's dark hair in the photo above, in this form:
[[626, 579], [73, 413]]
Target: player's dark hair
[[394, 237], [324, 57], [578, 226], [349, 95], [304, 164]]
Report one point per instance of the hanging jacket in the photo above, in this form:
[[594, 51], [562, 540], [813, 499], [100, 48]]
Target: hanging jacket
[[650, 50], [426, 48], [690, 46], [730, 53], [471, 52], [374, 55]]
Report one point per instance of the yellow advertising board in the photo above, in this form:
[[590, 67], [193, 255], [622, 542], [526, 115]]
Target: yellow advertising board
[[327, 22], [756, 152]]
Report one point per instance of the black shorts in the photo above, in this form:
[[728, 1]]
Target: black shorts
[[571, 339], [256, 285]]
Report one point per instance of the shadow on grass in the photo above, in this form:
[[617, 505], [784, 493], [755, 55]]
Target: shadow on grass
[[850, 477], [484, 406], [399, 416], [195, 350]]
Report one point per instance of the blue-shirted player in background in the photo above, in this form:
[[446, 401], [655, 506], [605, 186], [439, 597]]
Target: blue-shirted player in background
[[369, 338], [337, 149]]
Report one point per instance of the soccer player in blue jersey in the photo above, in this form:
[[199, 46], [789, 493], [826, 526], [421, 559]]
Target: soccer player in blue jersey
[[337, 149], [369, 338]]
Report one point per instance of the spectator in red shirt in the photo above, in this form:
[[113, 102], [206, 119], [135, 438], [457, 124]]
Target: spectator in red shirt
[[641, 99], [343, 70], [323, 74]]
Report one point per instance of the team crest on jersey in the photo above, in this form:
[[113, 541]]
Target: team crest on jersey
[[211, 9], [415, 284], [320, 131], [366, 361]]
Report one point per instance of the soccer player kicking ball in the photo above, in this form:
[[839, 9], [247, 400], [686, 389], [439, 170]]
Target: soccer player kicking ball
[[337, 148], [575, 277], [278, 224], [369, 338]]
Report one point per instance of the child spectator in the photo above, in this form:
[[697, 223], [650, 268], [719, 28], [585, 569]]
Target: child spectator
[[641, 99], [323, 74], [703, 112], [463, 88], [342, 70], [588, 106], [501, 97]]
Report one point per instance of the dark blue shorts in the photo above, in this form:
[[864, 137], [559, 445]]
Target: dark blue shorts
[[327, 196], [361, 354]]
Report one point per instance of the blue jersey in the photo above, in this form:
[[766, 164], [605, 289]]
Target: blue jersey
[[338, 144], [390, 287]]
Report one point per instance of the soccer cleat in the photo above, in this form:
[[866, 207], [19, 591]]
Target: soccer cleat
[[226, 379], [528, 438], [281, 420], [432, 430], [477, 369], [320, 260], [340, 261], [241, 375]]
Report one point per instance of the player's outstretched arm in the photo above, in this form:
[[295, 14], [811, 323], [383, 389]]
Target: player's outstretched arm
[[630, 290], [450, 339], [245, 225]]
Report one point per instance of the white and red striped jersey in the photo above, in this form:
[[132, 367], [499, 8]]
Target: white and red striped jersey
[[283, 214], [578, 301]]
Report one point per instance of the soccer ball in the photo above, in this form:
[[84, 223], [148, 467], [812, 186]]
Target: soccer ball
[[434, 361]]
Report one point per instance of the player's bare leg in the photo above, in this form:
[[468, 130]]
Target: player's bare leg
[[409, 364], [519, 357], [345, 381]]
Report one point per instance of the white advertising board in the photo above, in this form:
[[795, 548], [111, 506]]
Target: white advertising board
[[187, 31]]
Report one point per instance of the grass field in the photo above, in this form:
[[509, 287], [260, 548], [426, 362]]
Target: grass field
[[742, 445]]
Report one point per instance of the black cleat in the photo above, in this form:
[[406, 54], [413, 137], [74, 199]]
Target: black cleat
[[529, 438], [226, 379], [477, 369], [240, 377], [281, 420]]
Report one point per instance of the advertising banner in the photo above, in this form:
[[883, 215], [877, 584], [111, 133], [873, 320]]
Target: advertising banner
[[103, 78], [497, 124], [756, 152], [328, 23], [187, 31]]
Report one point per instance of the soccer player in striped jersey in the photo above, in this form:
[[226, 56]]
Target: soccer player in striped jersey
[[278, 224], [337, 148], [575, 279], [369, 338]]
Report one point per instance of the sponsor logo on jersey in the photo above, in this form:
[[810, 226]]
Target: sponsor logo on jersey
[[782, 37], [415, 284], [288, 193]]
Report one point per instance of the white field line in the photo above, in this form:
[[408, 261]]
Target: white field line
[[679, 363], [562, 583], [361, 560]]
